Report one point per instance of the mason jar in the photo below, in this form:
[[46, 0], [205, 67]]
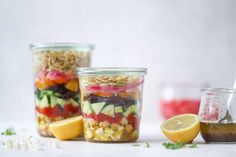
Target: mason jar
[[111, 101], [56, 84], [218, 115]]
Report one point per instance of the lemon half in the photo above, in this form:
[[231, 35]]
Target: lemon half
[[67, 129], [182, 128]]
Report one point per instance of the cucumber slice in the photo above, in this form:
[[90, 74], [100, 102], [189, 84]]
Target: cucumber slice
[[53, 101], [74, 103], [37, 101], [131, 109], [97, 107], [44, 102], [57, 94], [118, 109], [46, 92], [86, 107], [61, 102], [109, 110]]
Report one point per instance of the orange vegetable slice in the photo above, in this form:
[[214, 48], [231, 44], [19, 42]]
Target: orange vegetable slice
[[104, 94], [72, 85]]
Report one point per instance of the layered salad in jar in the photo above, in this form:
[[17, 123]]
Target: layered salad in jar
[[56, 84], [111, 103]]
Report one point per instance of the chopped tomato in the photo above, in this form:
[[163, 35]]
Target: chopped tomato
[[103, 117], [133, 120], [92, 116], [57, 111], [69, 109], [50, 112], [118, 118]]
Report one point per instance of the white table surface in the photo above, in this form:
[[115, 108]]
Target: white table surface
[[149, 132]]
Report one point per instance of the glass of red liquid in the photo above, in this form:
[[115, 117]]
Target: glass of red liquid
[[179, 98]]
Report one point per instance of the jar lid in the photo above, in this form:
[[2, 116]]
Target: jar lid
[[63, 46], [112, 70]]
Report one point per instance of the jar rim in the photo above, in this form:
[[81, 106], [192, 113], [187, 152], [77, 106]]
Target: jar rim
[[218, 90], [112, 70], [58, 45]]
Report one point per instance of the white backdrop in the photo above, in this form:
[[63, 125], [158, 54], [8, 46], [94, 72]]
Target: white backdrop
[[177, 40]]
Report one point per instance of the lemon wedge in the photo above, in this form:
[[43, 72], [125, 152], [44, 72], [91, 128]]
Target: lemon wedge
[[67, 129], [181, 128]]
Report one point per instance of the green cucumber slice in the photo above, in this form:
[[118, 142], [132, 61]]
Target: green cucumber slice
[[109, 110], [44, 102], [118, 109], [74, 103], [46, 92], [61, 102], [86, 107], [57, 94], [131, 109], [37, 101], [97, 107], [53, 101]]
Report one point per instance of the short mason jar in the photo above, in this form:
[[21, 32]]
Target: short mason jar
[[111, 101], [217, 115], [56, 84]]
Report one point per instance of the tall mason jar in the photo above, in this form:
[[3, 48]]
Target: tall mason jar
[[56, 83]]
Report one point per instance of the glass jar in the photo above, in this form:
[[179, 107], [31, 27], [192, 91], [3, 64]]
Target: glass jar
[[180, 98], [56, 84], [111, 101], [218, 115]]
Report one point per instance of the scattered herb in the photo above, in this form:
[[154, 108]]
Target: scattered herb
[[8, 131], [193, 145], [147, 145], [177, 145], [136, 144]]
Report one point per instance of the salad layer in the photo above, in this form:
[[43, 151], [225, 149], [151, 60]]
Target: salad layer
[[57, 86]]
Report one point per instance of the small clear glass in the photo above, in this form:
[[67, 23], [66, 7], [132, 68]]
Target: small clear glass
[[216, 124], [56, 84], [111, 100], [179, 98]]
